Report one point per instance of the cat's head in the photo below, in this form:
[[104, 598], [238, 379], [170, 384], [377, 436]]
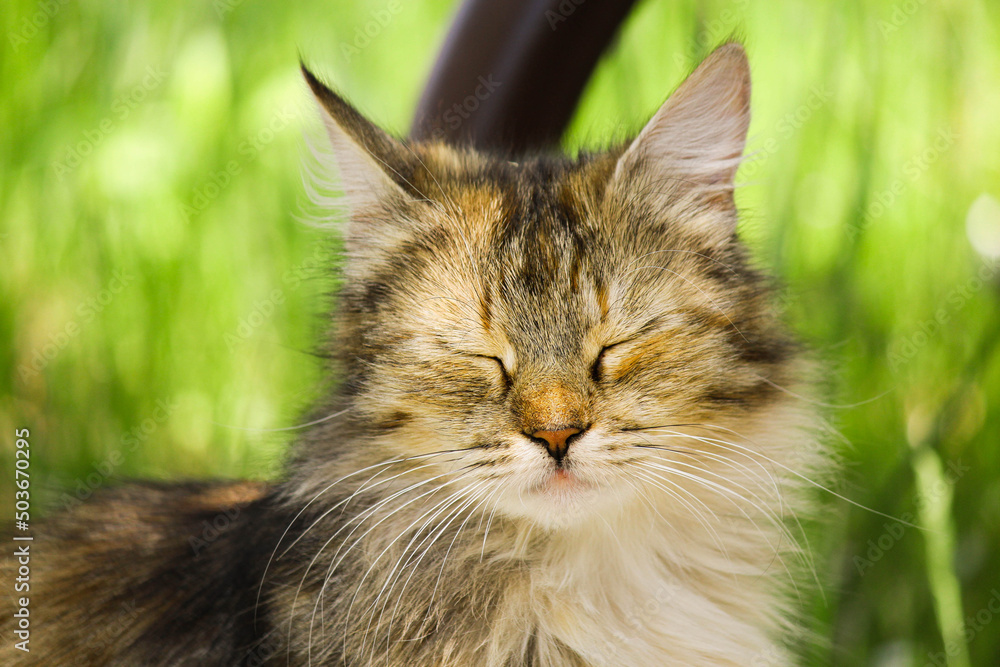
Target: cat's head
[[558, 325]]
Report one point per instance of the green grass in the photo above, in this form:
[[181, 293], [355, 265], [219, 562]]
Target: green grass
[[151, 251]]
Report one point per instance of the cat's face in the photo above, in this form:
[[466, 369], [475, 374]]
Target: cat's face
[[554, 323]]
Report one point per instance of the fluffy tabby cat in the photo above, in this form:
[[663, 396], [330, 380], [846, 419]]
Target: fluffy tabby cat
[[567, 434]]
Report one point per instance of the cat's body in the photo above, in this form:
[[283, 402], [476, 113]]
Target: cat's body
[[568, 433]]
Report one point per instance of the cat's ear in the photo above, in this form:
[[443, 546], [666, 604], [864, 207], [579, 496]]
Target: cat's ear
[[372, 165], [698, 135]]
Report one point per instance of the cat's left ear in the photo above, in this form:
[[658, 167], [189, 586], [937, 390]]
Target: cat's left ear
[[374, 167], [697, 137]]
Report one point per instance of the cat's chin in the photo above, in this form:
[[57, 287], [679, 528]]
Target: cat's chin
[[558, 499], [561, 480]]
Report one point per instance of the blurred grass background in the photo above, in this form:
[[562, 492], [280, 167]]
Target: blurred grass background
[[159, 294]]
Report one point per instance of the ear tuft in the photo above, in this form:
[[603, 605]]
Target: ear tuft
[[699, 133], [373, 166]]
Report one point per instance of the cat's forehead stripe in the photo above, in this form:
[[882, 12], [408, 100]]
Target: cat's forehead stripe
[[486, 306]]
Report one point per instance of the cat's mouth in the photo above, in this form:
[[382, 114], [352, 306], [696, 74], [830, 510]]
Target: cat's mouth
[[561, 481]]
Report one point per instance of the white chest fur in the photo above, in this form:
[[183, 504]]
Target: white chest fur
[[623, 596]]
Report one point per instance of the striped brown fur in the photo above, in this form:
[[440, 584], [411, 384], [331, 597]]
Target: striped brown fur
[[489, 302]]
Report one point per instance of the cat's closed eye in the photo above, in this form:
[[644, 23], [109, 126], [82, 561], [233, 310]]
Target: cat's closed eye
[[604, 361], [598, 370], [498, 363]]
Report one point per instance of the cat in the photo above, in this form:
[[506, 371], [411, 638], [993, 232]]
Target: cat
[[568, 433]]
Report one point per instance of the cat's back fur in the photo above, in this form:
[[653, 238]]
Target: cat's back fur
[[146, 574]]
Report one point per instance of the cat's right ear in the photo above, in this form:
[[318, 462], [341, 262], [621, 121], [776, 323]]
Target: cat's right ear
[[374, 167], [696, 139]]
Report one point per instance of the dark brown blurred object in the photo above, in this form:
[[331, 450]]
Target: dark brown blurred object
[[511, 72]]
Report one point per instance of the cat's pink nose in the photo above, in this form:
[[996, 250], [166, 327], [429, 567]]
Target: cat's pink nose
[[556, 442]]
